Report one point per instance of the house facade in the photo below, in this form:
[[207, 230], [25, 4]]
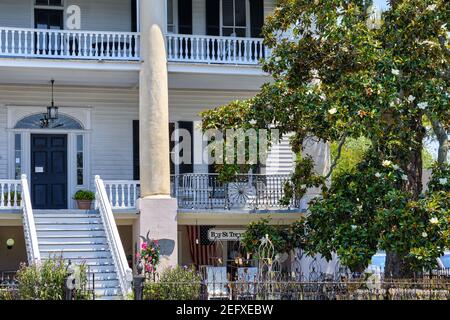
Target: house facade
[[130, 78]]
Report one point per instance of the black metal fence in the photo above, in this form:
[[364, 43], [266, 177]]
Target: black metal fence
[[291, 290]]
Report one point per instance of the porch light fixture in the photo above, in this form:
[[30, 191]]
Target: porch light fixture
[[10, 243], [52, 111]]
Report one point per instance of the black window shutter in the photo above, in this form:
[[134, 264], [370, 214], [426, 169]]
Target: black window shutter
[[136, 150], [256, 18], [171, 146], [213, 17], [185, 16], [136, 170], [187, 167], [133, 16]]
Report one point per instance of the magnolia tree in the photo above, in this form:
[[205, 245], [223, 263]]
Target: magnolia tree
[[342, 72]]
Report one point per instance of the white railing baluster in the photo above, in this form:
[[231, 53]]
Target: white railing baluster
[[124, 272]]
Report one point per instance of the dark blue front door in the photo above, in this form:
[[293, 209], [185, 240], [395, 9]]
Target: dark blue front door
[[49, 171]]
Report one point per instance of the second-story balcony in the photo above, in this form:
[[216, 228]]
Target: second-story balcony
[[64, 44], [125, 46], [206, 193]]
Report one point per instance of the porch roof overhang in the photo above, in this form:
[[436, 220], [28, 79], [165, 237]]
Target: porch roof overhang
[[69, 72]]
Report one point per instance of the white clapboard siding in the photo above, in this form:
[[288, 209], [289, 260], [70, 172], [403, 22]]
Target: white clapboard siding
[[280, 159], [3, 144], [101, 15], [16, 13], [112, 113], [269, 6]]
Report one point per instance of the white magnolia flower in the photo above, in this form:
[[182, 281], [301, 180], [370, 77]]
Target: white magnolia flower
[[423, 105], [360, 207], [424, 234], [252, 122], [411, 99], [434, 220], [332, 111], [323, 97], [378, 175], [443, 181], [395, 167], [431, 7], [387, 163], [395, 72], [354, 227], [303, 187], [404, 177]]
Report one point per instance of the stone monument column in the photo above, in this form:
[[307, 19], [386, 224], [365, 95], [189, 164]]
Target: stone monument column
[[158, 210]]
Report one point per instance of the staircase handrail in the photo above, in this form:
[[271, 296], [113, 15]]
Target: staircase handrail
[[103, 204], [29, 225]]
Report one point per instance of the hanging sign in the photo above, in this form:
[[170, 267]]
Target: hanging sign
[[225, 234]]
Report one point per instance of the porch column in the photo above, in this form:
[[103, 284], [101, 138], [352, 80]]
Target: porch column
[[153, 102], [158, 211]]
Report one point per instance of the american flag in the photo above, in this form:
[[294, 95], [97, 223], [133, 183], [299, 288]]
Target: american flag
[[202, 249]]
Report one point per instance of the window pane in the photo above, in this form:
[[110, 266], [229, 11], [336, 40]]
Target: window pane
[[240, 13], [227, 32], [227, 9], [17, 155], [79, 143], [55, 3], [80, 177], [170, 12], [240, 32], [42, 2]]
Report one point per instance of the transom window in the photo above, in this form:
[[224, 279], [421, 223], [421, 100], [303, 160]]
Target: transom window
[[35, 122], [53, 3]]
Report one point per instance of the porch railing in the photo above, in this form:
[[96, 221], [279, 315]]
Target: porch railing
[[214, 49], [65, 44], [10, 194], [246, 191], [122, 194]]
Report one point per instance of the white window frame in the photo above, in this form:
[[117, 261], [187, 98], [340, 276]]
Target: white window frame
[[35, 6], [175, 17], [83, 115], [247, 19]]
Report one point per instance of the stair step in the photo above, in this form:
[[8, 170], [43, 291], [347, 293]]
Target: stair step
[[109, 298], [64, 212], [77, 254], [102, 276], [70, 233], [69, 228], [104, 284], [67, 220], [67, 216], [73, 247], [72, 241]]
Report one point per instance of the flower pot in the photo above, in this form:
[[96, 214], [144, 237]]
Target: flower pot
[[84, 204]]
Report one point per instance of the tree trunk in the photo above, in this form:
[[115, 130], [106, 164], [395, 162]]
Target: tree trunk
[[442, 138], [412, 164]]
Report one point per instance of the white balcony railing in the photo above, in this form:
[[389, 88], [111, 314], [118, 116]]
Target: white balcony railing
[[122, 194], [212, 49], [64, 44], [10, 194]]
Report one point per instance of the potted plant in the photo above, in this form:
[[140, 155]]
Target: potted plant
[[84, 199]]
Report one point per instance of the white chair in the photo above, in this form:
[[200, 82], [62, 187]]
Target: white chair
[[217, 286]]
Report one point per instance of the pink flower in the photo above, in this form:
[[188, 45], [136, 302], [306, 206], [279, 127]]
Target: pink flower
[[138, 255], [144, 245]]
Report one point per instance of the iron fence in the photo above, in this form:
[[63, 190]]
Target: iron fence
[[291, 290]]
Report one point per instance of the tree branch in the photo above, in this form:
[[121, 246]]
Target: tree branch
[[442, 137], [338, 155]]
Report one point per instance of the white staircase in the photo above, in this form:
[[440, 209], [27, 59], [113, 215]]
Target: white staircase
[[79, 236]]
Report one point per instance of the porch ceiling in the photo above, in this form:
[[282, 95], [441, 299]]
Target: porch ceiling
[[76, 73]]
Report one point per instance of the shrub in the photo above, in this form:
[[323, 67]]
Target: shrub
[[47, 281], [179, 283], [84, 195]]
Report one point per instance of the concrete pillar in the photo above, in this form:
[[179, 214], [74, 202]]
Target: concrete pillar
[[158, 211]]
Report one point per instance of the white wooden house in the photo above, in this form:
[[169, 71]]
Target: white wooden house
[[120, 91]]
